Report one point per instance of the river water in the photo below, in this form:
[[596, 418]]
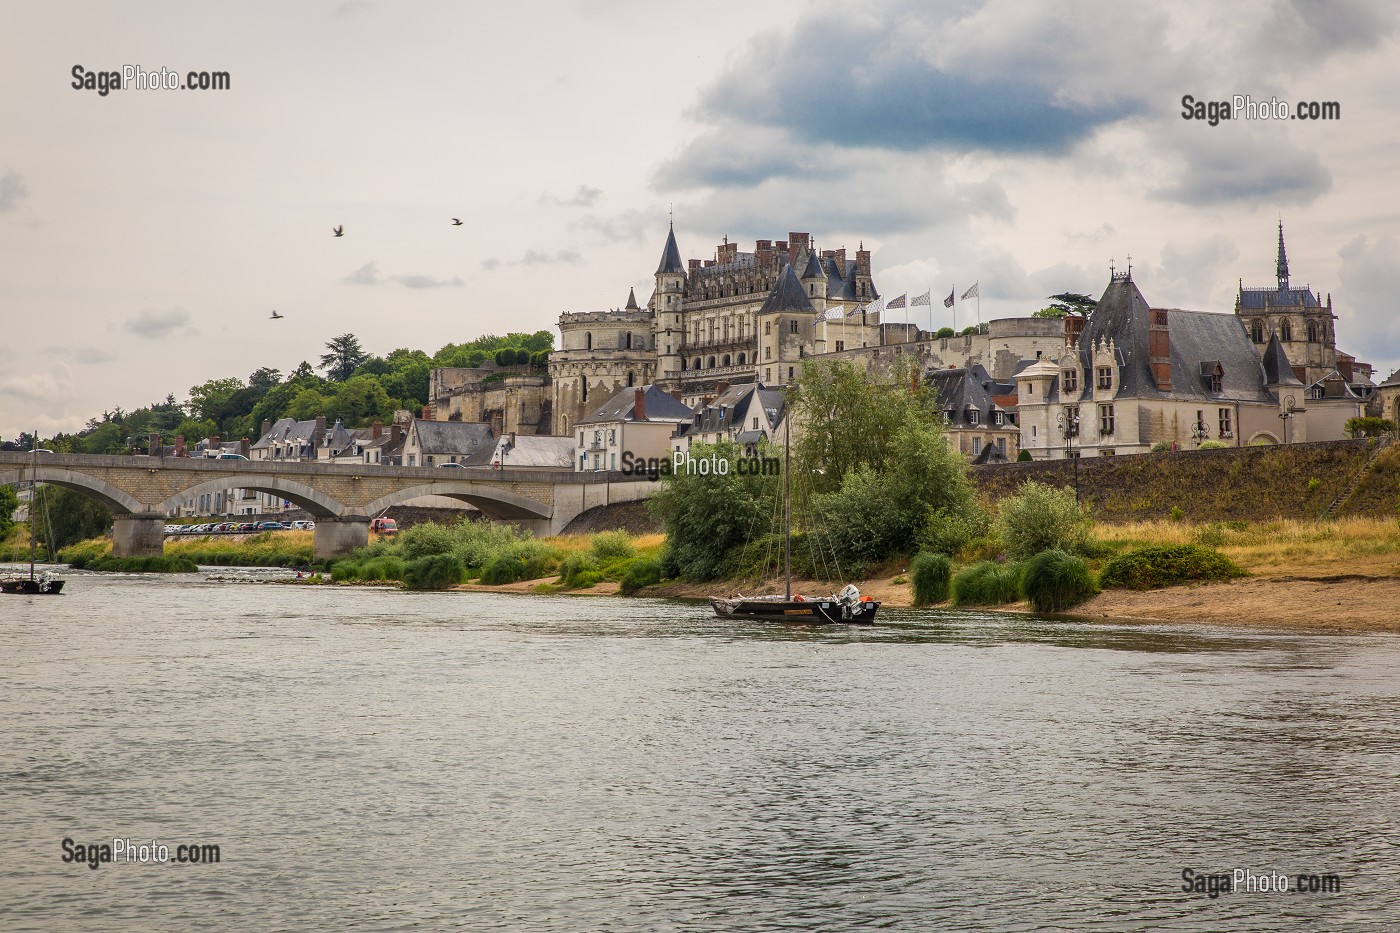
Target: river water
[[368, 759]]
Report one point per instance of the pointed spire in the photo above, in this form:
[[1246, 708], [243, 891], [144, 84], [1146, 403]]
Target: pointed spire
[[814, 267], [632, 300], [1282, 260], [787, 295], [1278, 371], [671, 255]]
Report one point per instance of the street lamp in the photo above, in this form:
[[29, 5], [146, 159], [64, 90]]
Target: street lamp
[[1287, 414], [1069, 427], [1199, 432]]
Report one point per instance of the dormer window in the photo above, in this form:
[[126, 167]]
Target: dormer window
[[1071, 380], [1215, 381], [1105, 374], [972, 417]]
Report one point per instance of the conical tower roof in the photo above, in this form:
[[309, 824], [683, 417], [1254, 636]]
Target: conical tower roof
[[632, 300], [671, 255], [1277, 370], [787, 296], [814, 267]]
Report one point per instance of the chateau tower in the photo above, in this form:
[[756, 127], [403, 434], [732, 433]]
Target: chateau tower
[[668, 303], [1304, 325]]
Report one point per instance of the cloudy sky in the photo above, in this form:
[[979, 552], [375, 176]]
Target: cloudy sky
[[146, 236]]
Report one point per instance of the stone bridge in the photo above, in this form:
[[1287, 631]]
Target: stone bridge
[[142, 492]]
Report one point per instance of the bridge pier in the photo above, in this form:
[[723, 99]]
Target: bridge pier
[[335, 537], [139, 534]]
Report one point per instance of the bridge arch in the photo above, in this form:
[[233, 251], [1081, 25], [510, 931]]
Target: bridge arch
[[312, 500], [116, 501], [493, 501]]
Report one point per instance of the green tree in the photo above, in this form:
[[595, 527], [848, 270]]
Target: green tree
[[264, 378], [1369, 427], [708, 519], [72, 516], [207, 400], [344, 356], [9, 501], [1067, 303], [1042, 518], [307, 404], [360, 399]]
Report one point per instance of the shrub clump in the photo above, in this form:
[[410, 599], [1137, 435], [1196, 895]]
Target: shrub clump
[[932, 573], [1053, 581], [986, 583], [1156, 566], [435, 572], [610, 544], [948, 531], [579, 571], [640, 572], [1042, 518], [159, 564]]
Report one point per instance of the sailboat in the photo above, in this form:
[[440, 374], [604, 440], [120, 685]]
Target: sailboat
[[846, 607], [46, 584]]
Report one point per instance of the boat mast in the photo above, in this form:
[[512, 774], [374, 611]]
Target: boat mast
[[787, 498], [33, 501]]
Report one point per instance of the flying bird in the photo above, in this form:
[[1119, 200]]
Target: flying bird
[[338, 231], [275, 315], [456, 222]]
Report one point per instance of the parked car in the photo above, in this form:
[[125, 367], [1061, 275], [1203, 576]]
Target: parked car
[[460, 466], [304, 525], [271, 526], [232, 457], [245, 527], [384, 526]]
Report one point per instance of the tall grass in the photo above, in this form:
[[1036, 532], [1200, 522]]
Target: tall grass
[[933, 575], [1053, 581], [988, 583]]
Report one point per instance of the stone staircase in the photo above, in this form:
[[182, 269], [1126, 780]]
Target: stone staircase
[[1356, 480]]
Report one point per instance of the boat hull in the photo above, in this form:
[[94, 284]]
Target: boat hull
[[24, 587], [801, 612]]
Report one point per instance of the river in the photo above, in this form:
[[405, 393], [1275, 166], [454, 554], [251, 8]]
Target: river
[[369, 759]]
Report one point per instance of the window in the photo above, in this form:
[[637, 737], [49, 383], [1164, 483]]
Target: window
[[976, 446], [1105, 419], [1001, 446], [997, 419], [768, 327], [412, 459], [792, 326], [1285, 330], [789, 374], [767, 353], [1105, 377], [614, 461], [1215, 381], [768, 374], [1161, 318], [840, 345], [597, 438], [1256, 331], [588, 341], [1227, 428], [631, 379], [612, 436], [1030, 389], [628, 342], [972, 417], [1071, 381]]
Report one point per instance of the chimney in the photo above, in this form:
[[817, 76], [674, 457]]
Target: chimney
[[427, 413], [318, 437], [1345, 366], [840, 257], [1074, 326], [1159, 348], [245, 447], [511, 442], [862, 262], [377, 431], [694, 264], [798, 243], [153, 444], [395, 432], [721, 387], [267, 426], [180, 450], [676, 394], [639, 404], [212, 446]]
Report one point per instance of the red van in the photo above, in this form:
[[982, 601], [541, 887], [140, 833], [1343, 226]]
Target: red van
[[384, 526]]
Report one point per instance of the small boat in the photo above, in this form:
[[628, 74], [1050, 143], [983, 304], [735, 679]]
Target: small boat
[[46, 584], [846, 607]]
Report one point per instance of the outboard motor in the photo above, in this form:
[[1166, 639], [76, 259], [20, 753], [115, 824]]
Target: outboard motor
[[849, 598]]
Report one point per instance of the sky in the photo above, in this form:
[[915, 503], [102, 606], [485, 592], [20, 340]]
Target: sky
[[147, 235]]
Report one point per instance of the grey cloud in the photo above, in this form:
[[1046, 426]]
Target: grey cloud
[[632, 226], [157, 325], [583, 197], [12, 191], [350, 8], [427, 281], [535, 257], [367, 274], [1365, 299], [88, 356], [1325, 27], [1246, 168]]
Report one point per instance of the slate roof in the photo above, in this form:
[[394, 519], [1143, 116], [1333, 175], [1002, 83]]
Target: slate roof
[[1196, 337], [286, 430], [660, 406], [1264, 299], [1277, 370], [671, 255], [814, 267], [534, 450], [737, 405], [464, 439], [968, 389], [787, 296]]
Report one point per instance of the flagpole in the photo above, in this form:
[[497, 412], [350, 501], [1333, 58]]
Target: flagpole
[[955, 309]]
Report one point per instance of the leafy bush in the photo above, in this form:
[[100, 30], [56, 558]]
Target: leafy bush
[[610, 544], [1156, 566], [1054, 581], [425, 539], [948, 531], [987, 583], [1369, 427], [384, 567], [157, 564], [1176, 513], [640, 572], [506, 568], [1161, 447], [1024, 457], [579, 571], [1212, 445], [437, 572], [345, 571], [932, 573], [1042, 518]]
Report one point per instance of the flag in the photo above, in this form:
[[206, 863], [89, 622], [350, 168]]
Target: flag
[[877, 307], [971, 292], [858, 309], [897, 303], [921, 299], [834, 314], [948, 302]]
